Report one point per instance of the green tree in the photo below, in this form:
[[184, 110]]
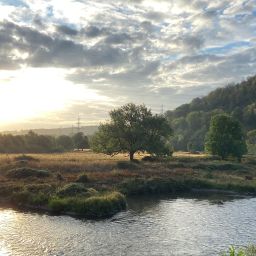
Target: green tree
[[225, 137], [80, 141], [133, 128], [65, 142]]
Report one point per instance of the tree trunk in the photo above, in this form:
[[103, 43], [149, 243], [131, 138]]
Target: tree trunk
[[131, 154]]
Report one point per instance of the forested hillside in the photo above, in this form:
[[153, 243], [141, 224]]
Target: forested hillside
[[191, 121]]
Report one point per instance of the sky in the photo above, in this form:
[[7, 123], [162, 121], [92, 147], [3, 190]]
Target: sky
[[64, 59]]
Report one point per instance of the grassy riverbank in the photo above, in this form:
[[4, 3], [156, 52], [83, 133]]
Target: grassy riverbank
[[93, 185]]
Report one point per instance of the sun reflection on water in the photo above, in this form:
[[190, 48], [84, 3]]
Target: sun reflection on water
[[6, 219]]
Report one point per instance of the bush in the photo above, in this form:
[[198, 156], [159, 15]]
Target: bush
[[83, 178], [100, 206], [26, 158], [25, 172], [72, 189], [58, 205], [29, 198]]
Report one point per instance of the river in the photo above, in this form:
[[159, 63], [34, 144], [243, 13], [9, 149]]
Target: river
[[198, 225]]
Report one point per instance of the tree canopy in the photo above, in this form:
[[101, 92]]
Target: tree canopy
[[35, 143], [225, 137], [192, 121], [133, 128], [80, 141]]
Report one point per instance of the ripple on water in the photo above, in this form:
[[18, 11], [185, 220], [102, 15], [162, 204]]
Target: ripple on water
[[182, 226]]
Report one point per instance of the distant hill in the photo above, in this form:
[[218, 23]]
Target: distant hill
[[87, 130], [191, 121]]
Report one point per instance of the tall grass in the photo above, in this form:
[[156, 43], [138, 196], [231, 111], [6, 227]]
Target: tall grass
[[248, 251], [100, 206]]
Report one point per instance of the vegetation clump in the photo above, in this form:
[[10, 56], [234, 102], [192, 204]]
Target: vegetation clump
[[82, 178], [26, 158], [72, 189], [100, 206], [26, 172], [26, 197], [248, 251], [152, 186]]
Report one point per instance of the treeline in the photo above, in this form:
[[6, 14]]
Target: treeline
[[190, 122], [35, 143]]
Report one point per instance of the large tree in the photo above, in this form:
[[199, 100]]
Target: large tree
[[225, 137], [65, 142], [133, 128], [80, 141]]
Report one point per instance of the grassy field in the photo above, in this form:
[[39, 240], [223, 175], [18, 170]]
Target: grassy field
[[40, 179]]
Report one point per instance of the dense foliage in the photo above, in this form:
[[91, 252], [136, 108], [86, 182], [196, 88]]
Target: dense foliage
[[225, 137], [191, 121], [35, 143], [133, 128]]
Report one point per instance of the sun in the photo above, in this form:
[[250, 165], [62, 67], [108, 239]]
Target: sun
[[31, 92]]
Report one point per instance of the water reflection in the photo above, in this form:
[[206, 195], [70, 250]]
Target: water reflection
[[152, 226]]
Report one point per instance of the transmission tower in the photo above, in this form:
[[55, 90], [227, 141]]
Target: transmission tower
[[78, 123]]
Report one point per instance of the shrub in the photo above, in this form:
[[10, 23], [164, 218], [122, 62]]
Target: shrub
[[72, 189], [26, 158], [25, 172], [58, 205], [39, 199], [28, 198], [83, 178], [100, 206]]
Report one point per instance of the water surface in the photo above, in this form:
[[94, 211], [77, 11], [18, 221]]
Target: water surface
[[151, 226]]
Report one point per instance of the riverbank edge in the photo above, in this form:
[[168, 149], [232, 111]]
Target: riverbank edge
[[131, 188]]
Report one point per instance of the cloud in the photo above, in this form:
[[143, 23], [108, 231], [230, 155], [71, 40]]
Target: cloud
[[48, 50], [154, 51], [93, 31], [66, 30]]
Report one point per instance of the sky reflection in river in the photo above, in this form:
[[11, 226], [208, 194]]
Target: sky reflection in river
[[151, 226]]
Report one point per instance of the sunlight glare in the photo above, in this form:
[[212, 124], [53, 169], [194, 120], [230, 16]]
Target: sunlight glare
[[34, 92]]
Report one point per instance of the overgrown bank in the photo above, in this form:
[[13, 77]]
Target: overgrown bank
[[94, 186]]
